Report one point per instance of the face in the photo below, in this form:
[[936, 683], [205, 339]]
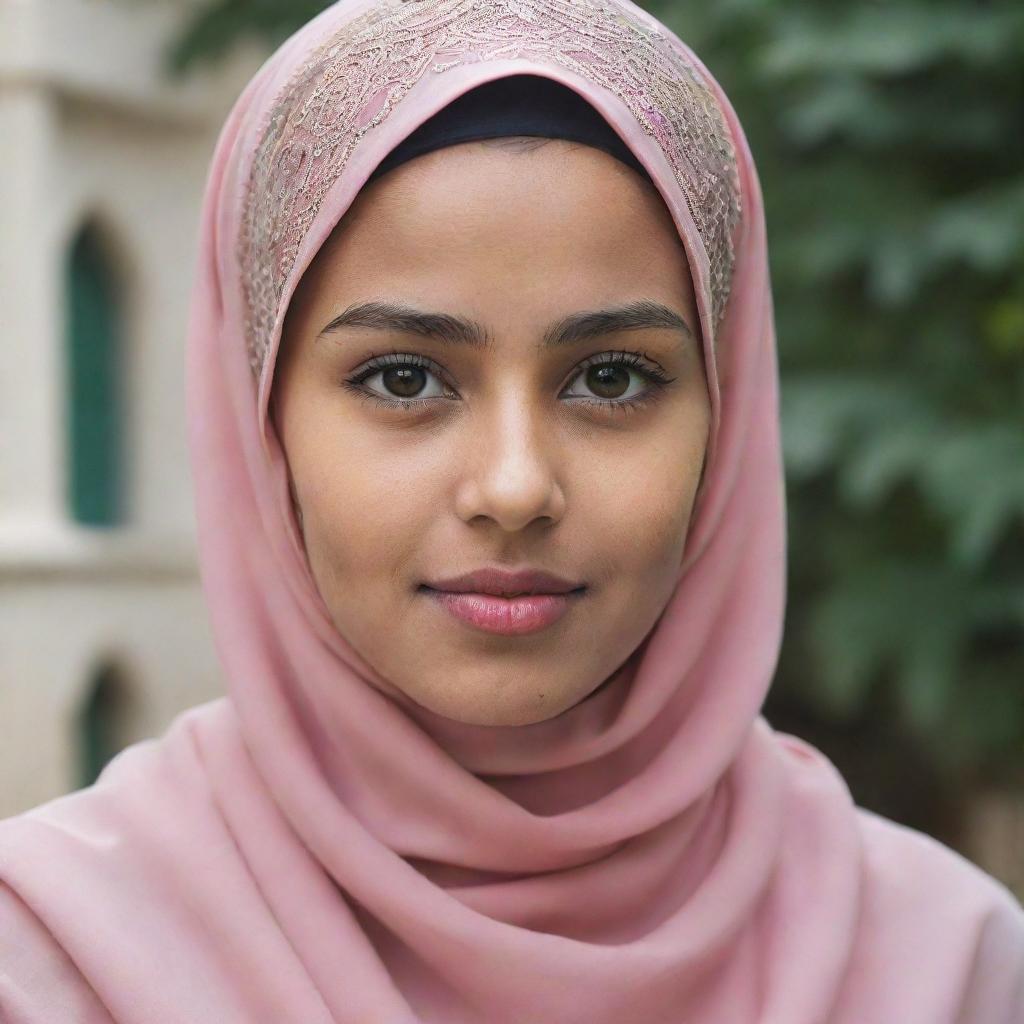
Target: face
[[513, 380]]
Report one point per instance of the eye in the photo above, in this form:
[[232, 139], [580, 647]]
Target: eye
[[403, 379], [619, 378]]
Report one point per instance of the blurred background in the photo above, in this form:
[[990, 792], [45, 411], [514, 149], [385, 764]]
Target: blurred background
[[888, 138]]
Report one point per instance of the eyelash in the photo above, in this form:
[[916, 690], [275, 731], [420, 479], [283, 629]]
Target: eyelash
[[656, 377]]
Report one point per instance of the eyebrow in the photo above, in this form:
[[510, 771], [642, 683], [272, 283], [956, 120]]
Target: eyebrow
[[455, 330]]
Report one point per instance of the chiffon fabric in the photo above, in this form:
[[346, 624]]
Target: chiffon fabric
[[313, 847]]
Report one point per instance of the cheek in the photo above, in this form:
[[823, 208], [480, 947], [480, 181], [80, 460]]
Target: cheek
[[643, 498], [363, 506]]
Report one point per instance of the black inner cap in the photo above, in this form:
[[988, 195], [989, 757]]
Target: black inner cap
[[515, 105]]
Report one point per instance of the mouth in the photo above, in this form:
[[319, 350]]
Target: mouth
[[514, 614]]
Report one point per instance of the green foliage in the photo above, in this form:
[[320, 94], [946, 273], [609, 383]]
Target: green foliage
[[887, 137], [888, 140]]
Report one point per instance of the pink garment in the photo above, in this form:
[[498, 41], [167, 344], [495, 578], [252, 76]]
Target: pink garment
[[315, 848]]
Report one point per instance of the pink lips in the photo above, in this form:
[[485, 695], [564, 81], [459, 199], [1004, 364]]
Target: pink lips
[[510, 603], [512, 616]]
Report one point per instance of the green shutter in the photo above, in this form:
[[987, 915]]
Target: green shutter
[[94, 393]]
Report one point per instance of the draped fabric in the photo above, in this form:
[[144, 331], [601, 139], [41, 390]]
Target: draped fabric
[[314, 847]]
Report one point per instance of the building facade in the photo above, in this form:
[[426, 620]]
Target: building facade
[[103, 632]]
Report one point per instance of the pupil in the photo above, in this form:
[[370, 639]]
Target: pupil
[[404, 381], [602, 379]]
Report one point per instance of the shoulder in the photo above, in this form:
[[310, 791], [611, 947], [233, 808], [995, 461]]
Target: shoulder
[[38, 980], [909, 862], [937, 940], [931, 911], [67, 862]]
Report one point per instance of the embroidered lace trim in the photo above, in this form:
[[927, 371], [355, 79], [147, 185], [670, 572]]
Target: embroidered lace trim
[[354, 80]]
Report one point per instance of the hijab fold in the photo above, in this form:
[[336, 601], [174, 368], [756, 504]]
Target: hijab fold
[[314, 847]]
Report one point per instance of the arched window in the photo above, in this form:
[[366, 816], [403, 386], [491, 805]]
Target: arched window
[[94, 394], [103, 722]]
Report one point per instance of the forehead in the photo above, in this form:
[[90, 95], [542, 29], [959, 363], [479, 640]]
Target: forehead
[[472, 187], [477, 223]]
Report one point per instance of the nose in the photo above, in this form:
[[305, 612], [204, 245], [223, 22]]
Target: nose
[[510, 475]]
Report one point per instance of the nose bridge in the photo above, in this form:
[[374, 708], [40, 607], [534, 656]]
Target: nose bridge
[[511, 474]]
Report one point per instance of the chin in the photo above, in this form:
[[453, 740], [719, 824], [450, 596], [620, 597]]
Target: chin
[[495, 713]]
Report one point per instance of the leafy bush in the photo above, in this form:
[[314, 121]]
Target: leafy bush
[[888, 140]]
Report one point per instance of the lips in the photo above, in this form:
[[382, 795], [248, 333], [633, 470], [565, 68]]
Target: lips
[[510, 616], [509, 603]]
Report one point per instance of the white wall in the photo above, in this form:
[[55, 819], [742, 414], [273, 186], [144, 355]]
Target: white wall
[[91, 130]]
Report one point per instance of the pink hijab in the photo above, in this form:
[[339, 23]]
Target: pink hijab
[[316, 848]]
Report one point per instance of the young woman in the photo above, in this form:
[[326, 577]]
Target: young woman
[[484, 428]]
